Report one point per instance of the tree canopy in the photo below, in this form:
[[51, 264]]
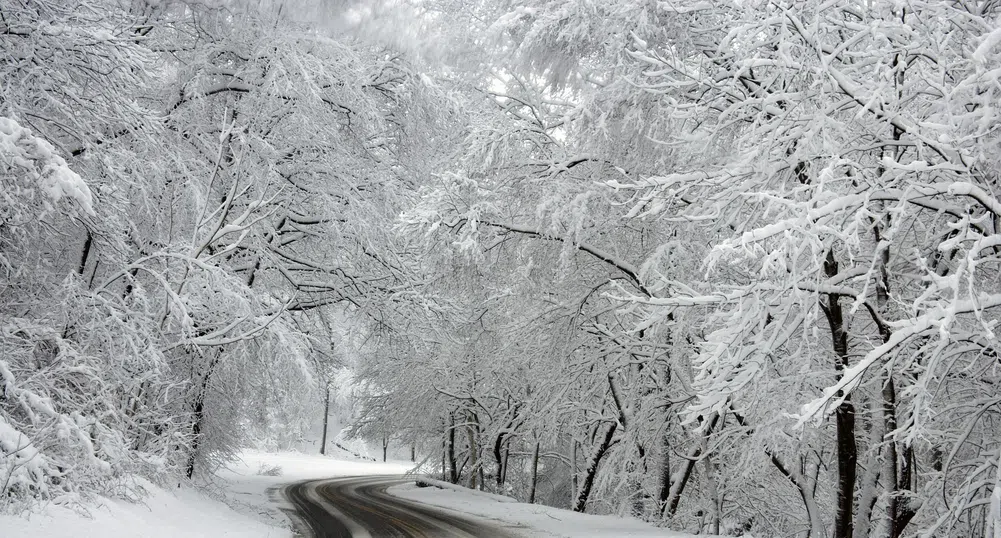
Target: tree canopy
[[730, 267]]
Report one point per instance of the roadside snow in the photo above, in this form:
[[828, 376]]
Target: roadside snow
[[295, 466], [163, 514], [252, 507], [258, 494], [542, 520], [426, 482]]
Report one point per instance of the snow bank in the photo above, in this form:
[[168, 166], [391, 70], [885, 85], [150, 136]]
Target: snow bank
[[296, 466], [164, 514], [537, 520], [252, 507], [432, 483]]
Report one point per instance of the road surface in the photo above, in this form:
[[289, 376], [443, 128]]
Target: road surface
[[359, 507]]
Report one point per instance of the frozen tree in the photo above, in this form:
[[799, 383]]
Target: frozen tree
[[241, 174], [785, 199]]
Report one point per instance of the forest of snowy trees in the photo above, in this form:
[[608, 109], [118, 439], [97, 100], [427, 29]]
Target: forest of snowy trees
[[727, 266]]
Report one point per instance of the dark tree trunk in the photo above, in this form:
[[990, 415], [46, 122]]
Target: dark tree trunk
[[85, 254], [592, 469], [847, 468], [196, 434], [896, 469], [475, 479], [677, 487], [573, 467], [904, 511], [453, 471], [507, 457], [198, 413], [809, 502], [890, 464], [844, 415], [499, 457], [535, 473], [326, 418], [665, 473], [444, 460]]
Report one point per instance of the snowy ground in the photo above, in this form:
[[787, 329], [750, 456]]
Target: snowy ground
[[545, 521], [244, 502], [163, 514], [238, 504], [257, 494]]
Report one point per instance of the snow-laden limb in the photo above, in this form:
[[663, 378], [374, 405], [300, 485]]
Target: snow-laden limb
[[990, 41], [22, 468], [40, 167], [54, 440], [936, 323]]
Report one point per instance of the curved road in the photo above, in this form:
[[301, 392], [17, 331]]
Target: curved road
[[360, 507]]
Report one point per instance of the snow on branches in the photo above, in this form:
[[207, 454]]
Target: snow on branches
[[33, 166]]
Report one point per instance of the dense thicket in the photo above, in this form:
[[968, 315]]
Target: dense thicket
[[729, 266], [191, 192]]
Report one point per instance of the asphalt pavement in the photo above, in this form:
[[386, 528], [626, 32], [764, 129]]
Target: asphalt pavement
[[360, 507]]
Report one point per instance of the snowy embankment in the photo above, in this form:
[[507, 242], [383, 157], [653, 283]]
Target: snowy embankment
[[164, 513], [250, 484], [536, 520], [243, 502]]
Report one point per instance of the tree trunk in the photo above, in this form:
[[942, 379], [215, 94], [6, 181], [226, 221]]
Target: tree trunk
[[573, 467], [198, 411], [474, 452], [670, 507], [869, 482], [664, 491], [809, 502], [592, 469], [847, 466], [905, 513], [844, 415], [890, 454], [535, 473], [483, 481], [453, 471], [507, 457], [444, 460], [326, 418], [85, 253], [499, 457], [678, 484], [713, 494]]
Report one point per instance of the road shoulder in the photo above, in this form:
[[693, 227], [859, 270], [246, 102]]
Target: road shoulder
[[529, 520]]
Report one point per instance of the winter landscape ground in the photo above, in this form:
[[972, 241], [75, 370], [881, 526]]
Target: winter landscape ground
[[724, 267], [244, 501]]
